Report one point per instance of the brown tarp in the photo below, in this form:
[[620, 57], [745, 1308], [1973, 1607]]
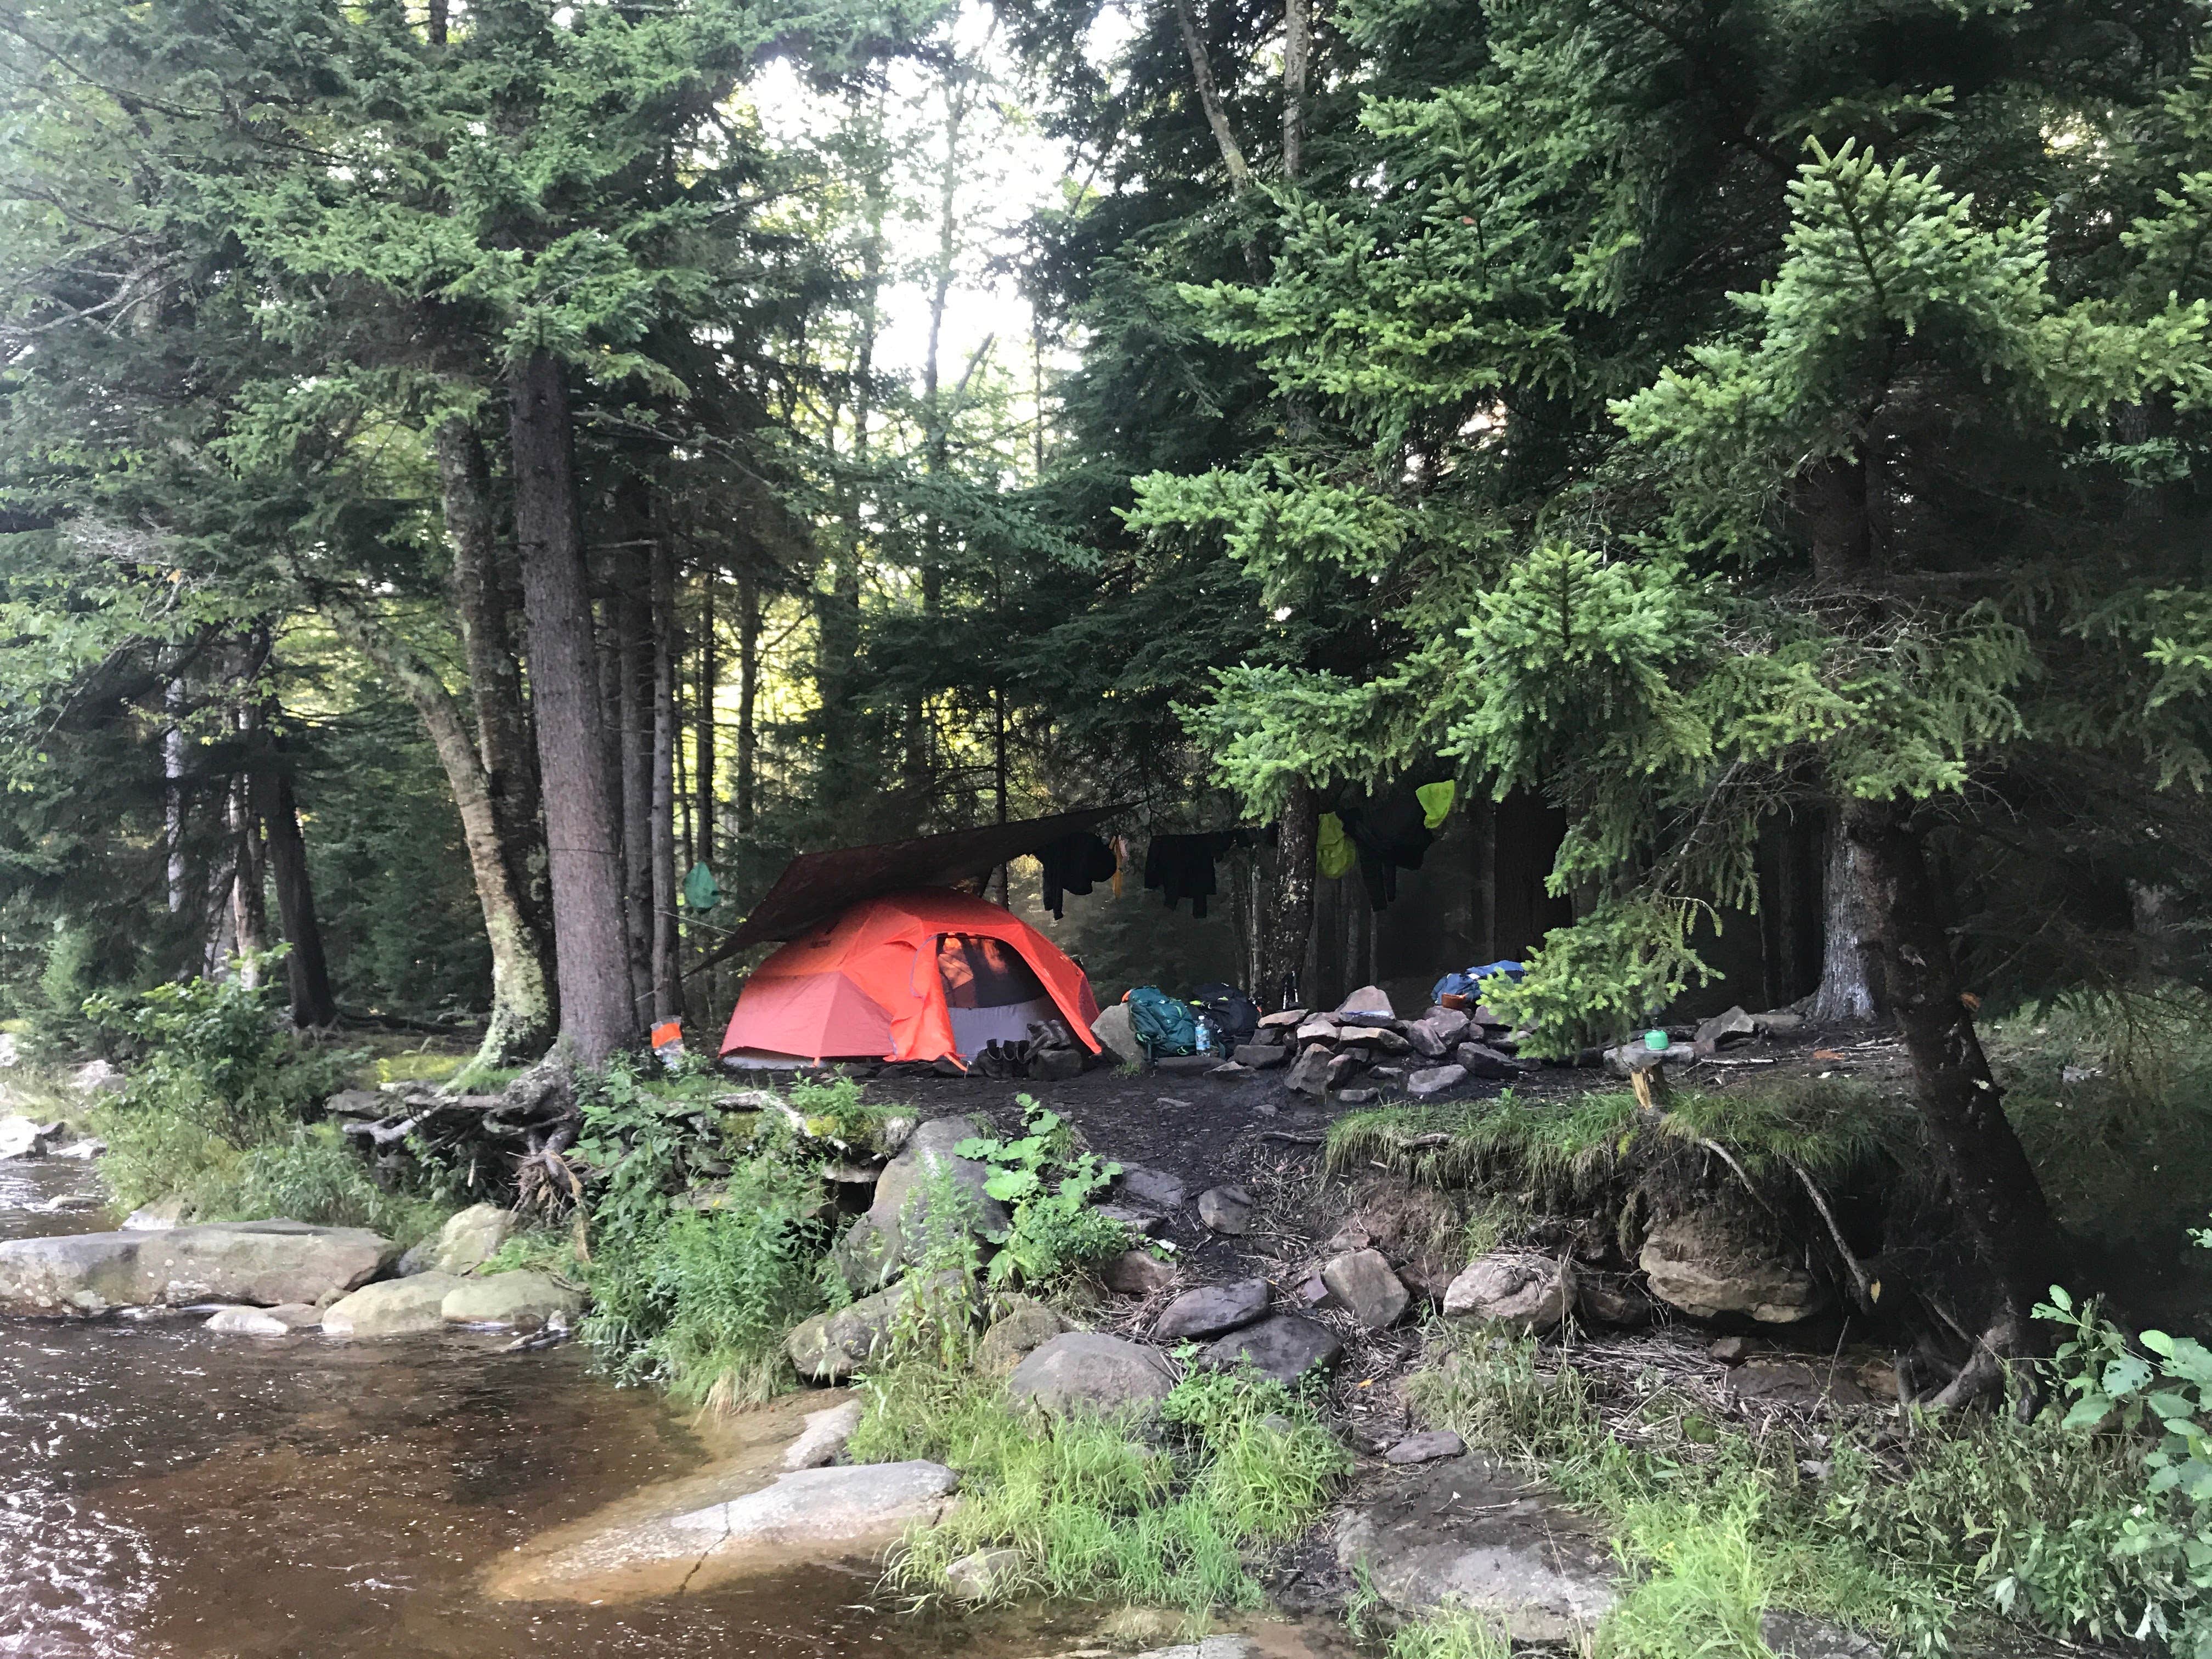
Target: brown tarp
[[816, 886]]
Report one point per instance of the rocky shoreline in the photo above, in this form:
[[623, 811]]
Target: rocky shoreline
[[1237, 1256]]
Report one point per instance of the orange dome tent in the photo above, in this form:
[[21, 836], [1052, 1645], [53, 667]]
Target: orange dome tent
[[923, 974]]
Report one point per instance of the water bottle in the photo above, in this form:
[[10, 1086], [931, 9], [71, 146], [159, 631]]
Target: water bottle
[[1209, 1036]]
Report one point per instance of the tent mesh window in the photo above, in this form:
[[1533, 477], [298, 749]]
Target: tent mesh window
[[991, 994], [985, 973]]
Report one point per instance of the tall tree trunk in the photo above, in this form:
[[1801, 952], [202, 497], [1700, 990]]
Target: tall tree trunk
[[1288, 926], [173, 793], [749, 633], [1209, 99], [487, 603], [1848, 970], [307, 970], [522, 1005], [249, 907], [583, 844], [1992, 1183], [702, 735], [633, 761], [662, 847], [1832, 496], [1297, 57]]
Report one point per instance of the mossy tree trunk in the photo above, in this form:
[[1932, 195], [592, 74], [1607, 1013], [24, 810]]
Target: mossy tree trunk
[[522, 1015]]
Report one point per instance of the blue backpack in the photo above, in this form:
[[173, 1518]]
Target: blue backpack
[[1164, 1024], [1469, 983]]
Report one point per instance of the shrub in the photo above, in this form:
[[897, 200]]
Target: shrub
[[1452, 1632], [217, 1107], [214, 1053], [695, 1298]]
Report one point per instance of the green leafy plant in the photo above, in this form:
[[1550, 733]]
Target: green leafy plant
[[2159, 1402], [1055, 1230], [214, 1053]]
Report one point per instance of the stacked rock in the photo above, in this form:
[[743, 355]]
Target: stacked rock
[[1363, 1041]]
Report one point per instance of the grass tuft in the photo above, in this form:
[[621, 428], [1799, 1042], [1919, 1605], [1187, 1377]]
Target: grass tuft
[[1097, 1509]]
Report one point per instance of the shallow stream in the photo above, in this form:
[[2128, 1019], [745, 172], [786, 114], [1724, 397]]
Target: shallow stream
[[166, 1491]]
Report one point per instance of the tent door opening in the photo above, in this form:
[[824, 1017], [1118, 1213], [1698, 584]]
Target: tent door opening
[[990, 993]]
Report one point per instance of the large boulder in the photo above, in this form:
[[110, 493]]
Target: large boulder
[[1479, 1059], [1711, 1263], [1452, 1024], [159, 1216], [1527, 1292], [741, 1518], [1138, 1273], [1116, 1031], [1211, 1309], [1087, 1371], [830, 1347], [1285, 1348], [515, 1301], [1470, 1532], [1019, 1331], [1148, 1185], [263, 1322], [901, 1210], [1435, 1079], [396, 1307], [866, 1257], [258, 1262], [983, 1575], [1361, 1281], [465, 1243], [1309, 1075]]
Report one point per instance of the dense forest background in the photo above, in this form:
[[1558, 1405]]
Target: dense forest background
[[465, 468]]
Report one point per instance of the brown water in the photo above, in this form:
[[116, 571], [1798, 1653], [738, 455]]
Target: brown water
[[165, 1492]]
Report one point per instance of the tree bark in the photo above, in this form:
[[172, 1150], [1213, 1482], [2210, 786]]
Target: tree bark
[[249, 908], [702, 737], [583, 846], [522, 1007], [1297, 58], [662, 847], [634, 761], [1289, 923], [749, 633], [173, 793], [485, 603], [1209, 99], [1832, 496], [1992, 1183], [306, 969], [1848, 969]]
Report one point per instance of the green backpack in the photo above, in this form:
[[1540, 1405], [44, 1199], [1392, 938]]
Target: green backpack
[[1164, 1024]]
